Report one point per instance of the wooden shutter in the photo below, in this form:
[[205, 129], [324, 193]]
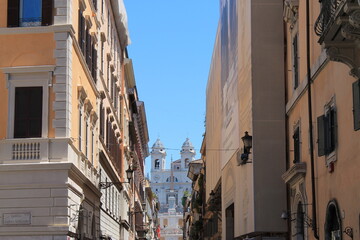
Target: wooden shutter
[[47, 13], [80, 29], [296, 138], [356, 104], [94, 62], [13, 13], [321, 135], [331, 130], [28, 112]]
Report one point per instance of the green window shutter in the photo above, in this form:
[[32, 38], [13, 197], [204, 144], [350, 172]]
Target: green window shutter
[[321, 135], [356, 104]]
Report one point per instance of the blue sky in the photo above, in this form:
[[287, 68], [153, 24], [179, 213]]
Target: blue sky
[[171, 48]]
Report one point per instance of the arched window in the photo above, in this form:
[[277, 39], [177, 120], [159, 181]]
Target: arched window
[[300, 222], [187, 162], [173, 178], [332, 222], [157, 163]]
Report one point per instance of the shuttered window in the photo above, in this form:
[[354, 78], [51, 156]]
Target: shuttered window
[[327, 132], [29, 13], [81, 31], [47, 13], [87, 45], [28, 112], [321, 135], [102, 122], [295, 61], [356, 104], [296, 138]]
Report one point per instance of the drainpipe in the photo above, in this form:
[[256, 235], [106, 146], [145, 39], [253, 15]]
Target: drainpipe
[[313, 192]]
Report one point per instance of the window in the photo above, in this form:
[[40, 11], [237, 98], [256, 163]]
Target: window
[[229, 215], [295, 57], [102, 120], [296, 138], [81, 31], [327, 131], [157, 164], [356, 104], [95, 4], [87, 44], [300, 230], [28, 112], [87, 137], [187, 161], [29, 13], [80, 125], [92, 145], [172, 179], [332, 222], [28, 101]]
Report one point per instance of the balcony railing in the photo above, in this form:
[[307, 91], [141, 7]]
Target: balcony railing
[[327, 15], [24, 149], [40, 150]]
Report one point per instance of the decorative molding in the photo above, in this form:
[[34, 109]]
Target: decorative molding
[[297, 171], [40, 29], [301, 89], [347, 55], [28, 69], [35, 76]]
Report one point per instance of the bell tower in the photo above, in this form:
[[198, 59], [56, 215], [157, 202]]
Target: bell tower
[[187, 153], [158, 155]]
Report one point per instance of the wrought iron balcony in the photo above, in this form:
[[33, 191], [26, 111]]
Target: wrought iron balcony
[[338, 27], [339, 20]]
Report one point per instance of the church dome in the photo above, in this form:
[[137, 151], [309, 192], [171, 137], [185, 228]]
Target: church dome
[[187, 146], [158, 147], [158, 144]]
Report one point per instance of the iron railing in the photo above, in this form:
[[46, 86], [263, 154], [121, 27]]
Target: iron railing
[[327, 15]]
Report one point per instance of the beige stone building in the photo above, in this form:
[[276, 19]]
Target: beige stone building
[[245, 93], [72, 122], [322, 108]]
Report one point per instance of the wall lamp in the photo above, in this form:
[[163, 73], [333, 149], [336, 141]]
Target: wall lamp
[[243, 157], [104, 185]]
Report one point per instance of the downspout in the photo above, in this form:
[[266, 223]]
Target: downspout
[[313, 192]]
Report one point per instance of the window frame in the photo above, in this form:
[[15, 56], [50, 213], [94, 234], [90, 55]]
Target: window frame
[[329, 132], [295, 58], [297, 152], [34, 76]]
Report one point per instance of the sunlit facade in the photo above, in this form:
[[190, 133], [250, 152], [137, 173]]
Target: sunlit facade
[[72, 122]]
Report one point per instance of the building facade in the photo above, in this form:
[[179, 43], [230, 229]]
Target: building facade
[[322, 111], [170, 185], [72, 123], [244, 99]]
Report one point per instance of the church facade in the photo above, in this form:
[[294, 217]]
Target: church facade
[[170, 185]]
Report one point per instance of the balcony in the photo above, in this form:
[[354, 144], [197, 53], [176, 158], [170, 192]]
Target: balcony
[[46, 150], [338, 28]]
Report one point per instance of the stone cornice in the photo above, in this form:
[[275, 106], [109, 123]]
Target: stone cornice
[[297, 171]]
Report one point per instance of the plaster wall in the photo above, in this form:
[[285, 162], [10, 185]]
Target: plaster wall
[[27, 50], [256, 188], [331, 82]]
